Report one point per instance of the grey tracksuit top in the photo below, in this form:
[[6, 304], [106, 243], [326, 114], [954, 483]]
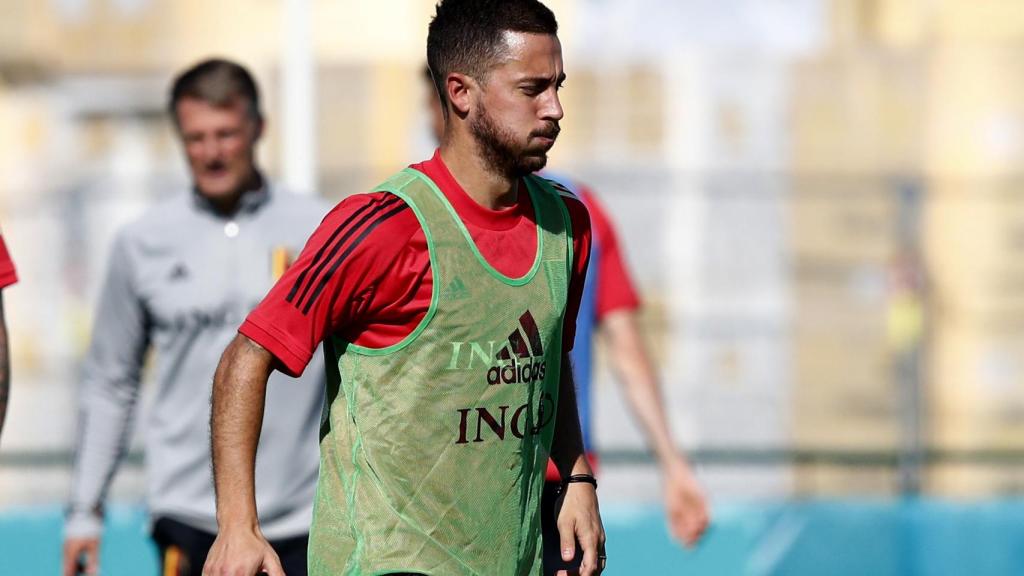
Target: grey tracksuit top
[[180, 280]]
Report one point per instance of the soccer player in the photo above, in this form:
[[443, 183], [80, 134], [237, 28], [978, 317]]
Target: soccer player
[[180, 279], [8, 276], [446, 300]]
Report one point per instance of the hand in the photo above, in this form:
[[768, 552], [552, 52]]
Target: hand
[[242, 552], [685, 505], [75, 549], [579, 520]]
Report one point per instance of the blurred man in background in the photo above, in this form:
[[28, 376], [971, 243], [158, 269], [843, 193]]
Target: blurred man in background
[[610, 308], [8, 276], [180, 279]]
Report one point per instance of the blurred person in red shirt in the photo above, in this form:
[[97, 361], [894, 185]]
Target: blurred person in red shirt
[[609, 307]]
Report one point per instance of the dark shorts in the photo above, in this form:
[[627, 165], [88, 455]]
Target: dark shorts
[[552, 543], [183, 549]]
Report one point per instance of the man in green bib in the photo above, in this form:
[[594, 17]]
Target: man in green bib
[[446, 302]]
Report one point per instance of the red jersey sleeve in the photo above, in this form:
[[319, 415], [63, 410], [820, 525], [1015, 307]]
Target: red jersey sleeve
[[579, 219], [8, 275], [330, 287], [615, 289]]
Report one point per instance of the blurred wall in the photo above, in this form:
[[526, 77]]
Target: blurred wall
[[819, 199]]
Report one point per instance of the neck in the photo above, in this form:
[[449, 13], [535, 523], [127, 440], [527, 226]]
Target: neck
[[228, 204], [489, 189]]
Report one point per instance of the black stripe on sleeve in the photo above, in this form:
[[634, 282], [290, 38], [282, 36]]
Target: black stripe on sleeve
[[321, 261], [323, 249], [341, 258]]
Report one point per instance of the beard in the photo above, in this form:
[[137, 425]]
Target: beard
[[502, 154]]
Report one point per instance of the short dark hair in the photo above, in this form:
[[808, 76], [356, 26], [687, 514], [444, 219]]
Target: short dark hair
[[466, 35], [217, 82]]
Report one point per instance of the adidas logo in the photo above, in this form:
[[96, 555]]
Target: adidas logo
[[510, 368], [519, 361], [178, 273], [456, 290], [517, 344]]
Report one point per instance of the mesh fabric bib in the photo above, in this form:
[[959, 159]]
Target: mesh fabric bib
[[433, 451]]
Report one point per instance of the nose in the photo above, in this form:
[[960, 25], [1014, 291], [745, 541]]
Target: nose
[[552, 106], [210, 149]]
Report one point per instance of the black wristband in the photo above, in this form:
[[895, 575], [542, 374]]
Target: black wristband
[[574, 478]]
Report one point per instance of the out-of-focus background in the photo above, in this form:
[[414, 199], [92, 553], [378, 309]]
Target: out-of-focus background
[[821, 201]]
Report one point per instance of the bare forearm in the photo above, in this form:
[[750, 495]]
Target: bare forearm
[[636, 372], [239, 393], [685, 502], [567, 447]]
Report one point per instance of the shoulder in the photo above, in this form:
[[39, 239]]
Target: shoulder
[[289, 204], [579, 214], [372, 208], [568, 193], [377, 221], [152, 234], [168, 217], [566, 189], [359, 242]]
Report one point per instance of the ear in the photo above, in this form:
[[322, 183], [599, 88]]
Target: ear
[[459, 89], [259, 125]]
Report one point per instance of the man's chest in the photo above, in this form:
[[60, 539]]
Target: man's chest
[[210, 276]]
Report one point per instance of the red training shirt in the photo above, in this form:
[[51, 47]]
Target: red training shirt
[[614, 289]]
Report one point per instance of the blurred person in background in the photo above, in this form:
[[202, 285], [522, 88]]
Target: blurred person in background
[[447, 300], [610, 308], [8, 276], [180, 279]]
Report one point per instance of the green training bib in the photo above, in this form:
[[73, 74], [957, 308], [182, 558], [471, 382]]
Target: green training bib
[[434, 450]]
